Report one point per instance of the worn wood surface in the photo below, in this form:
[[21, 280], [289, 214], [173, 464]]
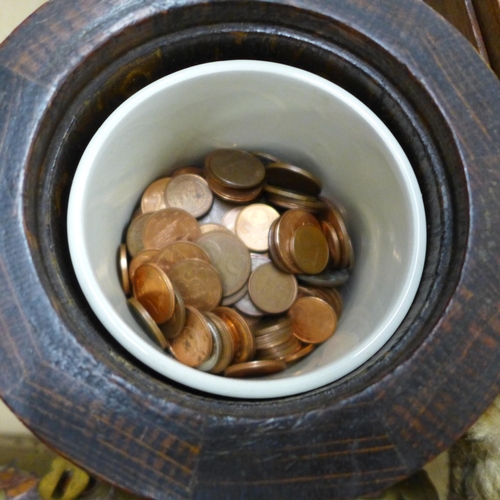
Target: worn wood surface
[[65, 70]]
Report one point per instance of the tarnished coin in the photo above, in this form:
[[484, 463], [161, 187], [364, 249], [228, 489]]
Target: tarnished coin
[[313, 320], [153, 289], [153, 196], [147, 323], [313, 207], [217, 349], [333, 242], [212, 226], [168, 225], [229, 300], [135, 232], [230, 257], [333, 216], [258, 368], [273, 249], [198, 282], [291, 195], [194, 344], [123, 268], [281, 351], [178, 251], [272, 290], [271, 325], [252, 225], [301, 353], [235, 168], [309, 249], [294, 178], [175, 324], [141, 258], [233, 194], [266, 158], [229, 218], [227, 343], [273, 339], [330, 295], [189, 170], [328, 278], [217, 210], [189, 192]]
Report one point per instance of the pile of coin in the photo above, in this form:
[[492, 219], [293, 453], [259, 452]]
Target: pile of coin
[[233, 267]]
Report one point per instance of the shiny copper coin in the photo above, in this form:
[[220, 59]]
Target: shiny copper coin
[[168, 225], [227, 343], [194, 344], [309, 249], [271, 325], [333, 216], [265, 158], [229, 218], [252, 225], [294, 178], [314, 321], [212, 226], [230, 257], [235, 168], [333, 297], [333, 242], [153, 196], [189, 192], [123, 268], [178, 251], [146, 321], [217, 348], [273, 249], [175, 324], [153, 289], [141, 258], [255, 369], [301, 353], [272, 290], [135, 232], [244, 342], [198, 282], [189, 170]]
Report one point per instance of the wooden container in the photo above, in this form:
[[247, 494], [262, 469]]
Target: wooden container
[[67, 68]]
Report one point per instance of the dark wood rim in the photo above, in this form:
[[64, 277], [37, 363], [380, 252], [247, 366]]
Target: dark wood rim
[[66, 69]]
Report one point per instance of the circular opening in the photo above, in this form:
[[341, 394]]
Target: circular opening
[[299, 117]]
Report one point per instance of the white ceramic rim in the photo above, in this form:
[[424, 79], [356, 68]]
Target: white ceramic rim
[[242, 388]]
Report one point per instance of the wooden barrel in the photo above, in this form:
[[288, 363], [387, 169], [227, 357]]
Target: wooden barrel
[[67, 68]]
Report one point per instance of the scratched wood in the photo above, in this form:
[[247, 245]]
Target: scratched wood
[[66, 69]]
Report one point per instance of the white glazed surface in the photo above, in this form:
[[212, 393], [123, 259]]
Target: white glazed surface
[[299, 117]]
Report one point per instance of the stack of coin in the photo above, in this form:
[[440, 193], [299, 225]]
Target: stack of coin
[[200, 275]]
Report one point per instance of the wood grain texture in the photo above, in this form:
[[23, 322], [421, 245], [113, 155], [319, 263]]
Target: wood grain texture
[[488, 14], [67, 69]]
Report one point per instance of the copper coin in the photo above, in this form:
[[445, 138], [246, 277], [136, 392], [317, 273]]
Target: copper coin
[[198, 282], [287, 344], [212, 226], [235, 168], [178, 251], [332, 215], [273, 339], [255, 368], [333, 242], [233, 194], [229, 300], [272, 290], [217, 349], [175, 324], [189, 192], [294, 178], [168, 225], [189, 170], [301, 353], [244, 342], [252, 225], [229, 218], [227, 343], [265, 158], [123, 268], [138, 211], [303, 291], [194, 344], [330, 295], [291, 195], [271, 325], [135, 232], [328, 278], [141, 258], [314, 321], [146, 321], [217, 210], [230, 257], [309, 249], [287, 202], [281, 354], [153, 196], [273, 249], [153, 289]]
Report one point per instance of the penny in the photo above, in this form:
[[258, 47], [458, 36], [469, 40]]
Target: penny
[[235, 168], [255, 368], [229, 218], [217, 210], [211, 362], [265, 158], [153, 289], [272, 290], [328, 278], [227, 343], [189, 192], [314, 321], [146, 321], [309, 249], [244, 342], [134, 237], [229, 300], [331, 296], [294, 178], [287, 343], [281, 352], [178, 251], [233, 194], [302, 291], [212, 226], [271, 325], [273, 339], [198, 282], [141, 258], [189, 170], [123, 267], [333, 242], [230, 257], [291, 195], [168, 225], [175, 324], [252, 225], [194, 344], [153, 196], [315, 206], [304, 351], [273, 249]]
